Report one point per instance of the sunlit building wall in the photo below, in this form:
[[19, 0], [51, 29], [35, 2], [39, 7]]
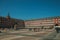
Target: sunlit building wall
[[46, 22]]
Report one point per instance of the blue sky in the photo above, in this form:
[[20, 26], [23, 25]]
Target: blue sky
[[30, 9]]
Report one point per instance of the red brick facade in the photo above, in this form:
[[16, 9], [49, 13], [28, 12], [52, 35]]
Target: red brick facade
[[6, 22]]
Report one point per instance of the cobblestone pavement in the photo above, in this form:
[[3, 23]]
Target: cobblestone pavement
[[52, 36], [26, 35]]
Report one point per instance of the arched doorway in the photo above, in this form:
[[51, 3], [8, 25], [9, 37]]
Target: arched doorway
[[56, 25], [57, 28]]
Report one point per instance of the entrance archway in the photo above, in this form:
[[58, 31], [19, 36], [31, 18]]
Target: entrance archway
[[56, 25]]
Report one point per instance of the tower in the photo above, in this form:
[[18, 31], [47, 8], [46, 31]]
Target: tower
[[56, 21], [8, 16]]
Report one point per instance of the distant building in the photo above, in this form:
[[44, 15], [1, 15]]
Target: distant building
[[8, 22], [49, 22], [35, 24]]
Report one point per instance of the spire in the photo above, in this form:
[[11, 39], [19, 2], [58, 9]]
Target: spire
[[8, 16]]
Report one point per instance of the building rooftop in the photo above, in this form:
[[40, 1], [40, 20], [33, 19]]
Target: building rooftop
[[11, 18], [43, 18]]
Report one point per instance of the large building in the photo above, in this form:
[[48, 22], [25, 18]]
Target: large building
[[8, 22], [45, 23], [34, 24]]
